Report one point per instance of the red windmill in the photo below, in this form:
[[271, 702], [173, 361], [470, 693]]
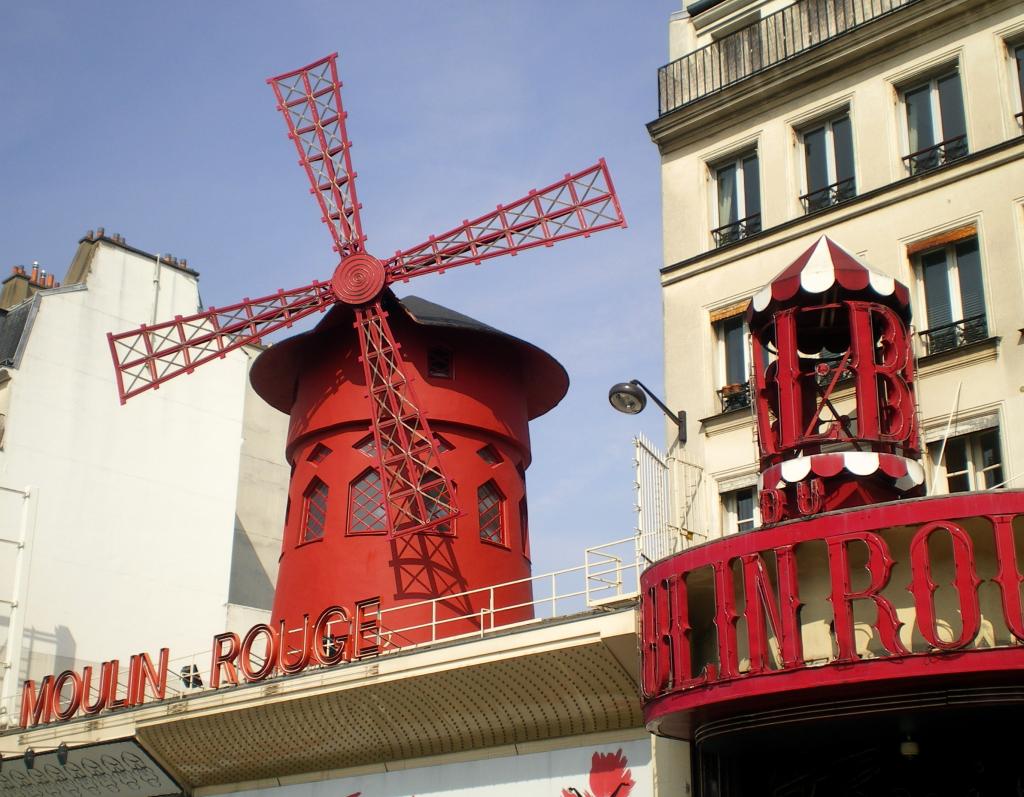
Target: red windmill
[[417, 493]]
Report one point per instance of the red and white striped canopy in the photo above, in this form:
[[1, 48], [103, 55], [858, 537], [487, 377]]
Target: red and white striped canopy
[[827, 267]]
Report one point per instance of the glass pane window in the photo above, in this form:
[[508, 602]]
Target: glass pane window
[[954, 296], [968, 462], [733, 365], [489, 504], [1018, 62], [738, 190], [739, 510], [828, 164], [314, 511], [366, 504], [936, 124]]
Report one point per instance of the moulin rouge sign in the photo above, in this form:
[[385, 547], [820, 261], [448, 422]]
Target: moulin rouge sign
[[254, 657], [673, 681]]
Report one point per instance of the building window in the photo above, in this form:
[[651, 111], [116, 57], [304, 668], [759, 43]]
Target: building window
[[828, 164], [366, 513], [733, 344], [954, 298], [314, 511], [367, 446], [739, 510], [969, 462], [439, 363], [1018, 62], [738, 187], [489, 454], [936, 127], [319, 453], [490, 504], [524, 526]]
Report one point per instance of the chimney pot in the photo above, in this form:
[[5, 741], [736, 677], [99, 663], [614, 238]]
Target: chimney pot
[[49, 280], [35, 272], [100, 232], [89, 234]]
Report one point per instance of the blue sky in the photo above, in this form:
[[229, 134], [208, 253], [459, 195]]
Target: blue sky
[[154, 121]]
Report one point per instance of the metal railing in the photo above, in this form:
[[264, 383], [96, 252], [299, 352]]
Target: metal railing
[[609, 576], [924, 160], [737, 230], [734, 397], [828, 196], [952, 336], [778, 37]]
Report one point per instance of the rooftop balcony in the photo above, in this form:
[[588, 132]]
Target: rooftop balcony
[[776, 38]]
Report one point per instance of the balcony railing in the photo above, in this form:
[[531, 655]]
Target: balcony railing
[[933, 157], [829, 195], [955, 335], [778, 37], [734, 397], [737, 230]]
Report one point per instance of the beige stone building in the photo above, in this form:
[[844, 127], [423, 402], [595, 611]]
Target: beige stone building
[[892, 126]]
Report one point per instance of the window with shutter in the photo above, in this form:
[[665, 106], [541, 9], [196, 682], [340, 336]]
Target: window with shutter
[[954, 295], [738, 188], [936, 125], [968, 462], [828, 162]]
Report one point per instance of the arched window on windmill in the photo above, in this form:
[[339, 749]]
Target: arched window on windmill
[[314, 510]]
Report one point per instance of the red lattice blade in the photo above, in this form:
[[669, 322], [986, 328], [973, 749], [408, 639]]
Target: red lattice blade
[[578, 204], [310, 101], [418, 496], [150, 355]]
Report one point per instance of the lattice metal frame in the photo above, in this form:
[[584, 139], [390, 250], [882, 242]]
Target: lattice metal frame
[[418, 495]]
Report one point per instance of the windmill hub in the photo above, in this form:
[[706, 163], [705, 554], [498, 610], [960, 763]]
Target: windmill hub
[[358, 278]]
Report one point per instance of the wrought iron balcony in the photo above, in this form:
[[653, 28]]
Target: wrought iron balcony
[[772, 40], [955, 335], [933, 157], [734, 397], [737, 231], [829, 195]]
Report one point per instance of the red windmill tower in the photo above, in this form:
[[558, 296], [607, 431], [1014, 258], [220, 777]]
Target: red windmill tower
[[393, 428]]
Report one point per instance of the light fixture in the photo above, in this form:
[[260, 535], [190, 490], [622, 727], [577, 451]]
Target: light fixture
[[909, 749], [628, 397], [62, 754], [30, 758]]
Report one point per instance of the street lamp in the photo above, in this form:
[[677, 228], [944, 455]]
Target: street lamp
[[628, 397]]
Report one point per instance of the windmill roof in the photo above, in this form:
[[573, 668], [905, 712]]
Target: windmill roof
[[274, 372]]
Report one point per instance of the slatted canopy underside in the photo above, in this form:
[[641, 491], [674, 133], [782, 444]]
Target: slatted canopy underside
[[575, 690]]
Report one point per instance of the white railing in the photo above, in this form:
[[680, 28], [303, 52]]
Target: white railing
[[671, 500], [609, 577]]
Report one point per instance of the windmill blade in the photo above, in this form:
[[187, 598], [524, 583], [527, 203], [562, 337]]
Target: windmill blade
[[150, 355], [310, 101], [579, 204], [418, 496]]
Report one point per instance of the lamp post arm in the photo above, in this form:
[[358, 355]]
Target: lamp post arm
[[656, 400], [679, 420]]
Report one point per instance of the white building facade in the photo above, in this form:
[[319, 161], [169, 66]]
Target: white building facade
[[162, 516], [895, 127]]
